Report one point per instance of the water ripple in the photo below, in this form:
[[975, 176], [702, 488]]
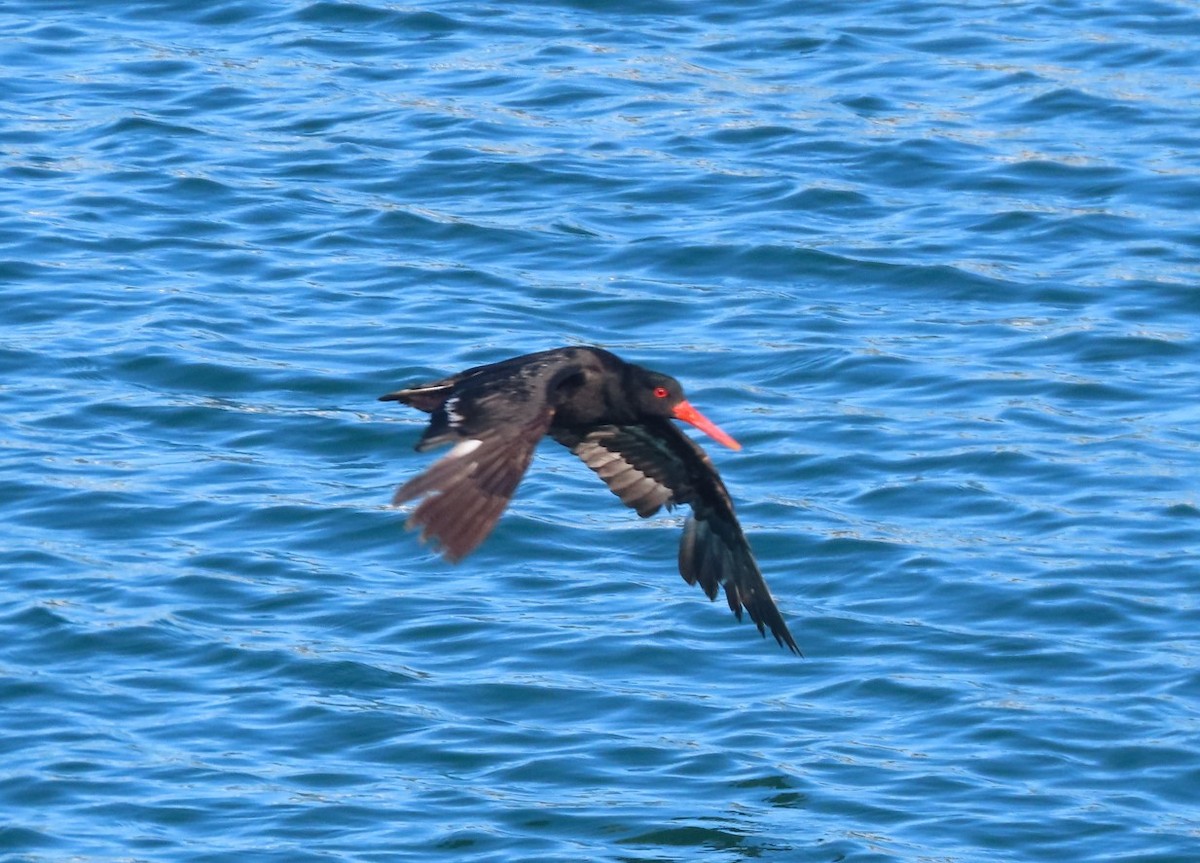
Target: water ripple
[[932, 264]]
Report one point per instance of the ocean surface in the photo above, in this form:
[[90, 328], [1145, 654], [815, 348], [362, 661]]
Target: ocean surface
[[936, 265]]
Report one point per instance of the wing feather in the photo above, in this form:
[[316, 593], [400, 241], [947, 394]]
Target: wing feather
[[464, 493], [654, 464], [494, 415]]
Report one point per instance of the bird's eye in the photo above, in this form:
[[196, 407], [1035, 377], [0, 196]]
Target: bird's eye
[[660, 392]]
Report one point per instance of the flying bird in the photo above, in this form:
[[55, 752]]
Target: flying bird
[[614, 415]]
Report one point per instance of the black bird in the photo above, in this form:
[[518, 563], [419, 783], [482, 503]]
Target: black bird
[[614, 415]]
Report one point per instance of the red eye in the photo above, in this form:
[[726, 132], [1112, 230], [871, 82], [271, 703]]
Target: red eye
[[660, 392]]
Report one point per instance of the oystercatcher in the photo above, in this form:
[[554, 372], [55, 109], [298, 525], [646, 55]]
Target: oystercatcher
[[614, 415]]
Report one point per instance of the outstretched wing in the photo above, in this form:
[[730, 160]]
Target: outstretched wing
[[495, 423], [467, 489], [655, 464]]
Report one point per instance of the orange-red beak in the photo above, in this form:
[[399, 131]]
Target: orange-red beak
[[687, 413]]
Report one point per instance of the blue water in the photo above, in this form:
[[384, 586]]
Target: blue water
[[936, 265]]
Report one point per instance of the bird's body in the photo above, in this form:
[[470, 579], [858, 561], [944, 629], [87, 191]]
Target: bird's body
[[616, 417]]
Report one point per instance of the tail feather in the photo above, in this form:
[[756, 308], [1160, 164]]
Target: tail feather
[[427, 397]]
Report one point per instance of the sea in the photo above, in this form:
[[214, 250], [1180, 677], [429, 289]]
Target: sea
[[935, 265]]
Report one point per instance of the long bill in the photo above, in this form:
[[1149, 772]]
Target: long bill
[[687, 413]]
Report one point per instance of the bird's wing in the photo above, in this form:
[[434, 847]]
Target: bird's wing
[[495, 424], [655, 464], [467, 489]]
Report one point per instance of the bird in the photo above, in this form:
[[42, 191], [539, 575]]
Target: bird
[[614, 415]]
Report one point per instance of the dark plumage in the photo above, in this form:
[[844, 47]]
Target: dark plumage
[[614, 415]]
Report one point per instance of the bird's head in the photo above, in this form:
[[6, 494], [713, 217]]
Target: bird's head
[[661, 395]]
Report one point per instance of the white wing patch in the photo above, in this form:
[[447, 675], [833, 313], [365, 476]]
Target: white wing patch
[[452, 415], [464, 448]]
